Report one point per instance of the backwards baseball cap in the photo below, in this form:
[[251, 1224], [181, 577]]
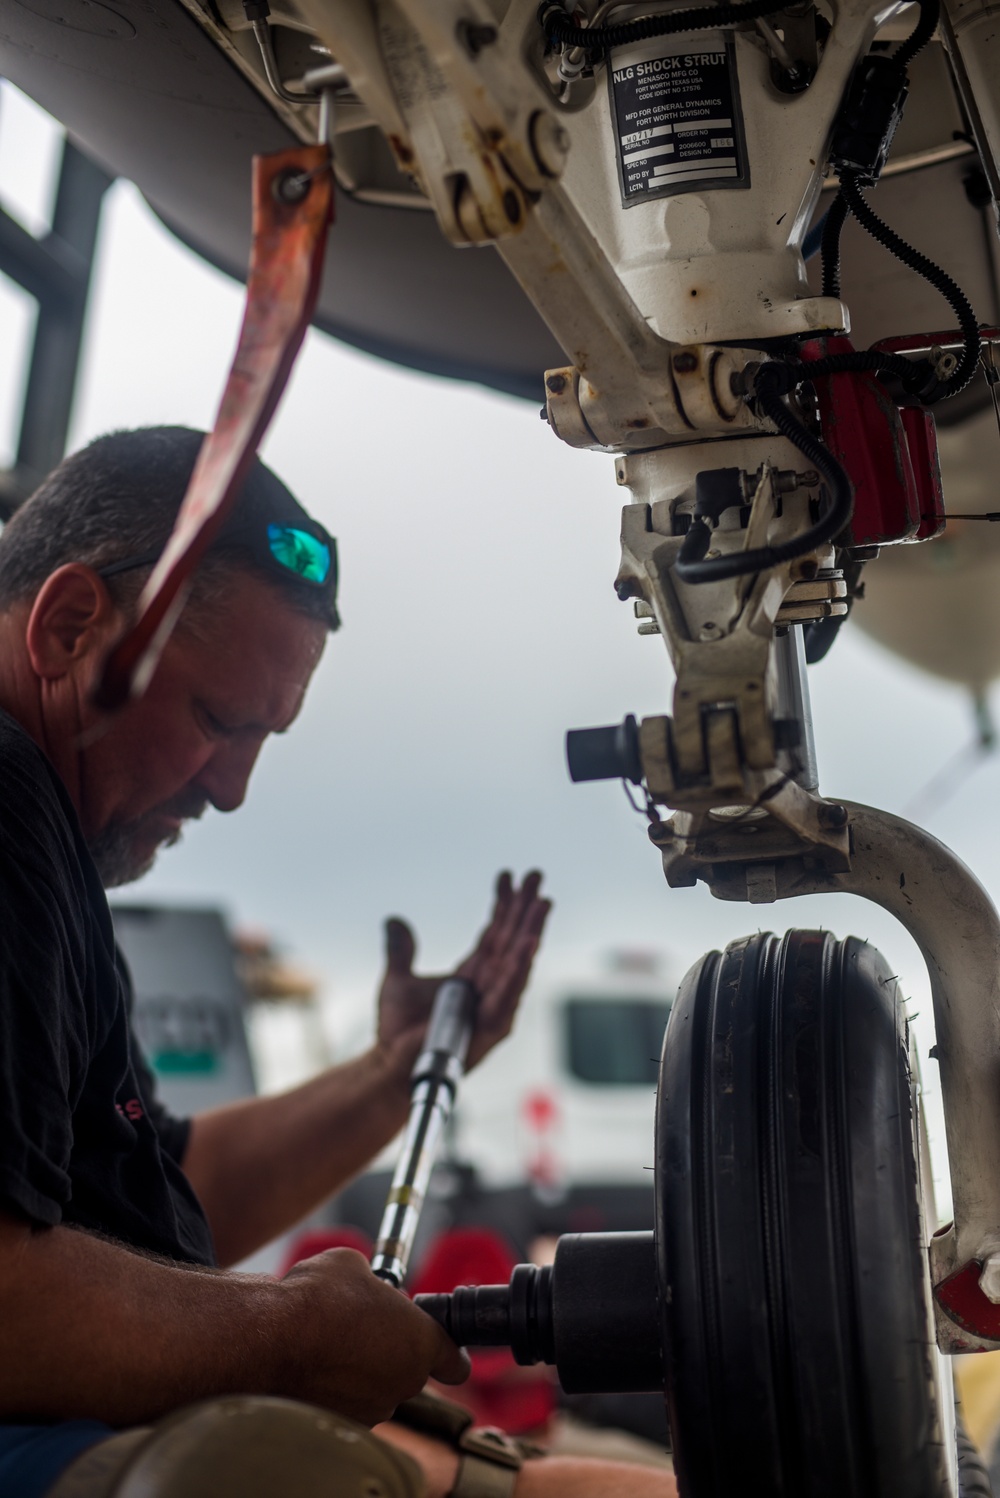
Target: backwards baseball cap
[[269, 527]]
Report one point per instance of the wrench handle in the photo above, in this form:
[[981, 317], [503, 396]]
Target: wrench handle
[[433, 1085]]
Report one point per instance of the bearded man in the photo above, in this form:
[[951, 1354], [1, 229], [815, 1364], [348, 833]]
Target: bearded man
[[118, 1223]]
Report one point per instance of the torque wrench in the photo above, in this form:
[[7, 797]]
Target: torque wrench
[[433, 1084]]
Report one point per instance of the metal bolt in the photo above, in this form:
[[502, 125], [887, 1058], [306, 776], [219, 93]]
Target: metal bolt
[[831, 815], [467, 213], [291, 186], [685, 363], [661, 832], [474, 38], [741, 380], [945, 363], [556, 384]]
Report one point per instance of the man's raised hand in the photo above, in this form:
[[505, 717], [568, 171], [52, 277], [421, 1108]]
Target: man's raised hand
[[498, 966]]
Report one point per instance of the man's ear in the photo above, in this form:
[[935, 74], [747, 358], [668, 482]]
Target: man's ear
[[71, 618]]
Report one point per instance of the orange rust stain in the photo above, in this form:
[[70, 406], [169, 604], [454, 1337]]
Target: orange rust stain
[[402, 150]]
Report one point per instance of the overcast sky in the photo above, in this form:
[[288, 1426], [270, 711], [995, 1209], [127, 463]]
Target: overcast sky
[[477, 556]]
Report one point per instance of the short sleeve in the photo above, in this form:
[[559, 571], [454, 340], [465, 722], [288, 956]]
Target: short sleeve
[[43, 1009]]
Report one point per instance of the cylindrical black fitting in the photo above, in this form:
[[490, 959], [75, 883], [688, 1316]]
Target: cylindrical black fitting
[[605, 753], [518, 1315], [604, 1314], [593, 1314]]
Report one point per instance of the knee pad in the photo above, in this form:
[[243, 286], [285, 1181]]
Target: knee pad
[[243, 1446]]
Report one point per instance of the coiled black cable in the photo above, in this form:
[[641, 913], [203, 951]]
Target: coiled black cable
[[768, 388], [930, 11], [915, 375], [830, 245], [559, 28], [850, 189]]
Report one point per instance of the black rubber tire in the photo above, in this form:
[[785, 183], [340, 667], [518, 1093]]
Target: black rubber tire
[[800, 1361]]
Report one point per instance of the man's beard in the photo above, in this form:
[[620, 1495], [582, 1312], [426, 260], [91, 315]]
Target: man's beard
[[122, 851]]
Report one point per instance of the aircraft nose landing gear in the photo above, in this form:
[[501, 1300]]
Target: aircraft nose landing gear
[[784, 1301]]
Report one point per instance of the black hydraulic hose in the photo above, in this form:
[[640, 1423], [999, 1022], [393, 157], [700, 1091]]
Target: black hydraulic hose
[[953, 294], [559, 28], [834, 518], [915, 375], [921, 34], [836, 217]]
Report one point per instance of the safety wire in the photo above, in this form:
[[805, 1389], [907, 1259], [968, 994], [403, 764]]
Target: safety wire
[[648, 811], [992, 373]]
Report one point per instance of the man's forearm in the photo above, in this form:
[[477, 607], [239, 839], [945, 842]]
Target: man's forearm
[[262, 1164], [88, 1328]]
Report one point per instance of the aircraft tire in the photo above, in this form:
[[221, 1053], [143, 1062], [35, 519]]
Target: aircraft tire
[[800, 1357]]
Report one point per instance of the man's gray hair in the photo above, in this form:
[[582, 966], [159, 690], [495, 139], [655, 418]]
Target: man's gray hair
[[118, 498]]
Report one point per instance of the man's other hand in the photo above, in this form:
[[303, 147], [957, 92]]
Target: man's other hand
[[356, 1345], [498, 967]]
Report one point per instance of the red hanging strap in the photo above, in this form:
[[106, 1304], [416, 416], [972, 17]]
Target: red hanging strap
[[292, 210]]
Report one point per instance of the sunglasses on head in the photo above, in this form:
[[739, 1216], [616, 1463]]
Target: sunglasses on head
[[311, 555]]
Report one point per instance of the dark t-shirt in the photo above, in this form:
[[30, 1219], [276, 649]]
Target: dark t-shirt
[[83, 1139]]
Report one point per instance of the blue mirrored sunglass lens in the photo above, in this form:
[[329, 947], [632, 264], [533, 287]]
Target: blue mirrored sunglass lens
[[299, 552]]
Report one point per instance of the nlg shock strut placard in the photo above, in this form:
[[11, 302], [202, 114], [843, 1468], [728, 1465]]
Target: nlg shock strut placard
[[675, 105]]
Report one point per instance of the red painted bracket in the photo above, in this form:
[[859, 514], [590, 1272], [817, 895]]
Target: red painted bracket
[[292, 210], [863, 429], [964, 1302]]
